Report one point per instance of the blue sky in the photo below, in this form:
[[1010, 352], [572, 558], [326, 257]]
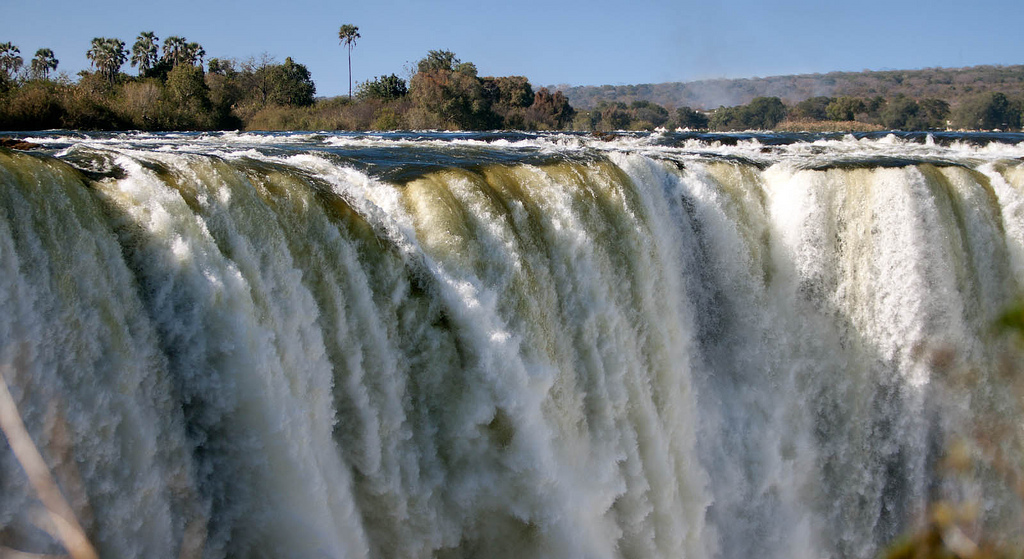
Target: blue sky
[[575, 42]]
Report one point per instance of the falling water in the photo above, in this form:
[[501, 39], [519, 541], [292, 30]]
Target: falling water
[[458, 346]]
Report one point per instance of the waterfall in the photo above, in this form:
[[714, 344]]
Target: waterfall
[[409, 347]]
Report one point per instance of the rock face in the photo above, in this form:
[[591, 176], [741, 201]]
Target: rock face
[[14, 143]]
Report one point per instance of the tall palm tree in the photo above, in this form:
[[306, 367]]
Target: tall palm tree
[[145, 51], [107, 56], [10, 61], [348, 34], [43, 63]]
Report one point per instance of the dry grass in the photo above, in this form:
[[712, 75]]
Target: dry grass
[[826, 126]]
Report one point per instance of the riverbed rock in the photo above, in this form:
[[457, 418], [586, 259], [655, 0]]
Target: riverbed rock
[[14, 143]]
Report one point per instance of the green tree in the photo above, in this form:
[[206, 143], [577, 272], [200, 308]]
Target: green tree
[[107, 56], [254, 81], [145, 52], [448, 94], [873, 107], [764, 113], [614, 116], [648, 115], [987, 111], [10, 59], [386, 118], [844, 108], [549, 111], [901, 113], [814, 108], [290, 84], [189, 101], [691, 119], [221, 66], [509, 97], [511, 91], [35, 105], [175, 50], [194, 54], [261, 82], [934, 112], [726, 118], [385, 88], [43, 63], [226, 88], [438, 60], [185, 84], [347, 35]]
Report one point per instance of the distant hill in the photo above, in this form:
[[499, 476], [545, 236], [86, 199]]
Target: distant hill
[[950, 84]]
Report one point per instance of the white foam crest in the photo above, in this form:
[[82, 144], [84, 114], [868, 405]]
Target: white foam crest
[[820, 152], [377, 201]]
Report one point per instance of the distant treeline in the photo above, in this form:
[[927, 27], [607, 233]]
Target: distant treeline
[[173, 91], [984, 111], [953, 85]]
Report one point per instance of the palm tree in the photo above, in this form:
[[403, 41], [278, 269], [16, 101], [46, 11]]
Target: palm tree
[[107, 56], [194, 54], [43, 63], [10, 61], [145, 51], [348, 35], [174, 49]]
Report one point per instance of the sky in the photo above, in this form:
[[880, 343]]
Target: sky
[[551, 42]]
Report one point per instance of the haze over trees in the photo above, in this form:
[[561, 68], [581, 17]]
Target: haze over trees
[[950, 84]]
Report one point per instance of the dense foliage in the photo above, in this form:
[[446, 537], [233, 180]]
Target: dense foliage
[[763, 113], [171, 92]]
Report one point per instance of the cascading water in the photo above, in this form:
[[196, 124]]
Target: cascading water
[[522, 346]]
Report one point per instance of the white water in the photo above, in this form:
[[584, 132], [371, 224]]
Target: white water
[[231, 352]]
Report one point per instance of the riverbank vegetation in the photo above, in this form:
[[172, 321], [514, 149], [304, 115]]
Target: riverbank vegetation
[[175, 87], [174, 91]]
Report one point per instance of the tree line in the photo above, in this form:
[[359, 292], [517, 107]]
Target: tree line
[[991, 110], [175, 87], [443, 92], [172, 90], [954, 85]]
